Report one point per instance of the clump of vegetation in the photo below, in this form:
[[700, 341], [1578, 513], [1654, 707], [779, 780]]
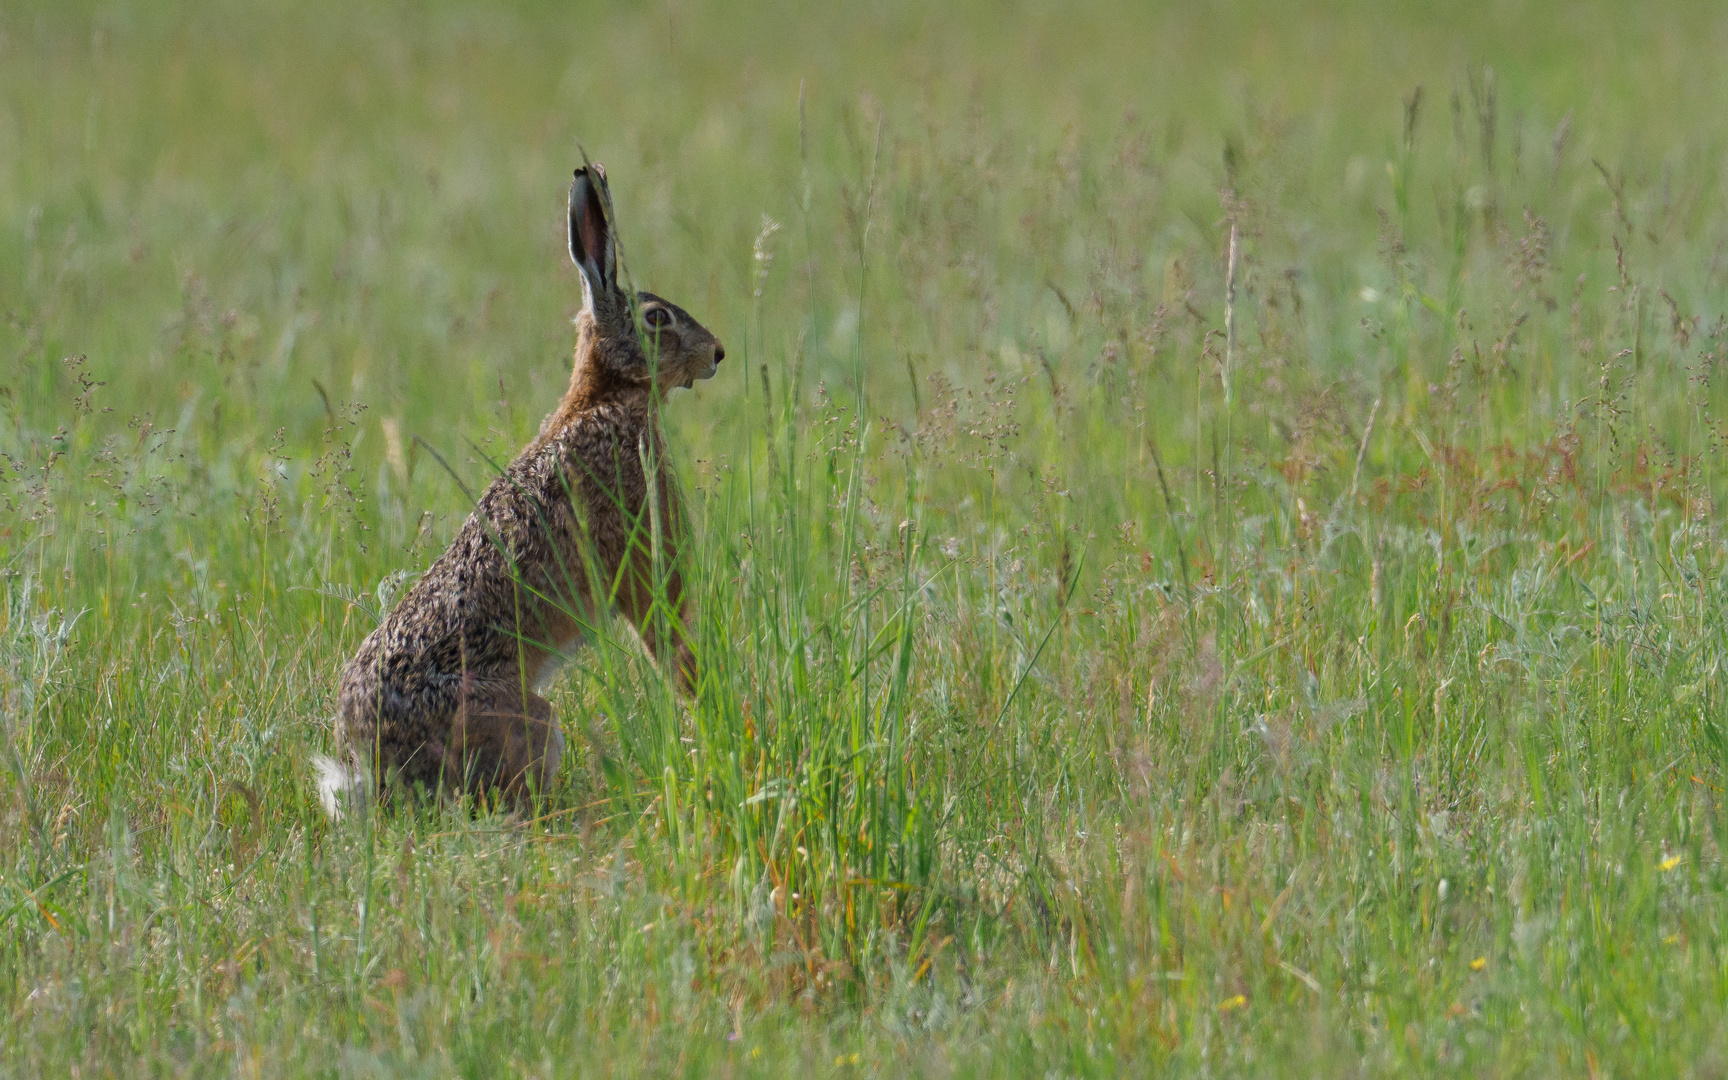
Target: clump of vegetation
[[1209, 556]]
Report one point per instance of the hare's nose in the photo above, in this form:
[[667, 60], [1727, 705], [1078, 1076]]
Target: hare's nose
[[719, 353]]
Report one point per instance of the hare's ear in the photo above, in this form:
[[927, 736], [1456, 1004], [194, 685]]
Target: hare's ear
[[592, 246]]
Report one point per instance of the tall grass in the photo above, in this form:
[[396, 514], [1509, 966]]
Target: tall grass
[[1207, 557]]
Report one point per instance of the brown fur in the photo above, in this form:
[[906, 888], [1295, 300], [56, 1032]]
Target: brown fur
[[442, 693]]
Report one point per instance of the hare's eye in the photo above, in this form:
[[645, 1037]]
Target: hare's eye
[[657, 318]]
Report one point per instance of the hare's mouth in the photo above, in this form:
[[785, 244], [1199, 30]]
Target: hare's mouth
[[692, 377]]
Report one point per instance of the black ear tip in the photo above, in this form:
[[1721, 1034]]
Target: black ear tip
[[591, 176]]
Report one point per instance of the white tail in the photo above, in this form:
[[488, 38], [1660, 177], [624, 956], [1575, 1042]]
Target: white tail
[[340, 785]]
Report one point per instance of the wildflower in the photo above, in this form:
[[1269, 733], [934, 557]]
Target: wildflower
[[1240, 1001], [1479, 963], [1669, 863]]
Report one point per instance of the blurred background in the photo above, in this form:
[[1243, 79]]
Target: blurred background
[[217, 203]]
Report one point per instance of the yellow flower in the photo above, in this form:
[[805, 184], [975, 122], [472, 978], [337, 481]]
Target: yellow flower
[[1237, 1002], [1669, 863], [1671, 939], [1479, 963]]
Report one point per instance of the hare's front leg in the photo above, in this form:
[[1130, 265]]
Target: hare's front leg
[[668, 636], [503, 738], [669, 644]]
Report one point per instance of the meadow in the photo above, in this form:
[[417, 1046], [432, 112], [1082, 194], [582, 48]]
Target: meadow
[[1208, 538]]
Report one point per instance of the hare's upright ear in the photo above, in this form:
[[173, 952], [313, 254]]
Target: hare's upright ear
[[592, 246]]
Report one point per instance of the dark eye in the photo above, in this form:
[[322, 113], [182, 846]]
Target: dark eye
[[657, 318]]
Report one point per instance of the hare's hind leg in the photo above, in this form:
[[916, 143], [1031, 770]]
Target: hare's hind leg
[[504, 739]]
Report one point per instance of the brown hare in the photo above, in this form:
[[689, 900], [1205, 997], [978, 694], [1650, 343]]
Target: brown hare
[[443, 692]]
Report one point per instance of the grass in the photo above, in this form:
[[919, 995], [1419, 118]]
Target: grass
[[1088, 689]]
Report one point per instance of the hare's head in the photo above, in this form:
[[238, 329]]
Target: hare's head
[[650, 340]]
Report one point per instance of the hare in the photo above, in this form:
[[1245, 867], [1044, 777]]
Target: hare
[[443, 692]]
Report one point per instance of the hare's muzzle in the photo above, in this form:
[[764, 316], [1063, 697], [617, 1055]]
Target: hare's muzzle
[[718, 355]]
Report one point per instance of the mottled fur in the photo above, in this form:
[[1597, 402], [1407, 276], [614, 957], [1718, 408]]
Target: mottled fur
[[443, 692]]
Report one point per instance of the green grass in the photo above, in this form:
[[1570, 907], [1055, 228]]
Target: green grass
[[1088, 690]]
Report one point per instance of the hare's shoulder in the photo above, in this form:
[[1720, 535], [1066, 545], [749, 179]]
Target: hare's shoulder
[[591, 435]]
